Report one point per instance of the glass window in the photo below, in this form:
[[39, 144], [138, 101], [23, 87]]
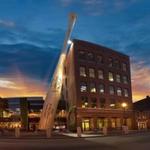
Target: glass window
[[102, 102], [124, 67], [83, 87], [82, 55], [92, 88], [84, 101], [100, 74], [90, 56], [118, 78], [82, 72], [126, 93], [117, 64], [93, 102], [111, 90], [112, 103], [119, 91], [101, 88], [125, 79], [110, 76], [99, 59], [91, 73], [110, 62]]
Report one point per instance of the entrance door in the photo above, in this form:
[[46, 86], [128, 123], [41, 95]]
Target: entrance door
[[85, 124]]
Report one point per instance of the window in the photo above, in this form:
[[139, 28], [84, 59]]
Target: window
[[102, 102], [117, 64], [84, 102], [82, 55], [92, 88], [125, 79], [82, 72], [91, 73], [110, 62], [99, 59], [126, 93], [119, 91], [111, 90], [124, 67], [118, 78], [110, 76], [101, 88], [83, 87], [90, 56], [100, 74], [112, 103], [93, 102]]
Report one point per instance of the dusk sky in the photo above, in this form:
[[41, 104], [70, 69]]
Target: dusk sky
[[32, 34]]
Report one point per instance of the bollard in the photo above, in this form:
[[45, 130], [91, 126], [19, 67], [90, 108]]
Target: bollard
[[17, 132], [48, 133], [105, 131], [78, 131]]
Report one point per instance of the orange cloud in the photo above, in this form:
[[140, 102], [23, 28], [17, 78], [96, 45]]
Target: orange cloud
[[21, 85], [140, 81]]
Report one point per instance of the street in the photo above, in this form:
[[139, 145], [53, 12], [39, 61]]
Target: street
[[138, 142]]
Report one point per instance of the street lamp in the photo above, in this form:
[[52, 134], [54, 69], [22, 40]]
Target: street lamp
[[124, 106]]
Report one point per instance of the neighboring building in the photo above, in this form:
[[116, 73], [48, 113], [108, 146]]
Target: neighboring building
[[96, 85], [23, 112], [142, 113]]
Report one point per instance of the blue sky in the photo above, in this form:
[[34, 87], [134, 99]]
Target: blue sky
[[32, 33]]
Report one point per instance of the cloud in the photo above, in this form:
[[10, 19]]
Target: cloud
[[140, 80], [7, 23], [21, 85]]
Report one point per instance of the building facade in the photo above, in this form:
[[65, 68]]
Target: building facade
[[23, 112], [142, 113], [97, 87]]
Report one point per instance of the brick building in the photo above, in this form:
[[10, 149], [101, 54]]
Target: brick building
[[97, 84]]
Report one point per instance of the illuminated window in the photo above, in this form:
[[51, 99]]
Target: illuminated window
[[118, 78], [101, 88], [84, 101], [111, 90], [93, 102], [110, 76], [91, 73], [99, 59], [110, 62], [126, 93], [100, 74], [82, 72], [112, 103], [82, 55], [92, 88], [119, 91], [102, 102], [83, 87], [124, 67], [125, 79], [90, 57]]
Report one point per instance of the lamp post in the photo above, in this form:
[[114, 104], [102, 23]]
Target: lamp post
[[124, 106]]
